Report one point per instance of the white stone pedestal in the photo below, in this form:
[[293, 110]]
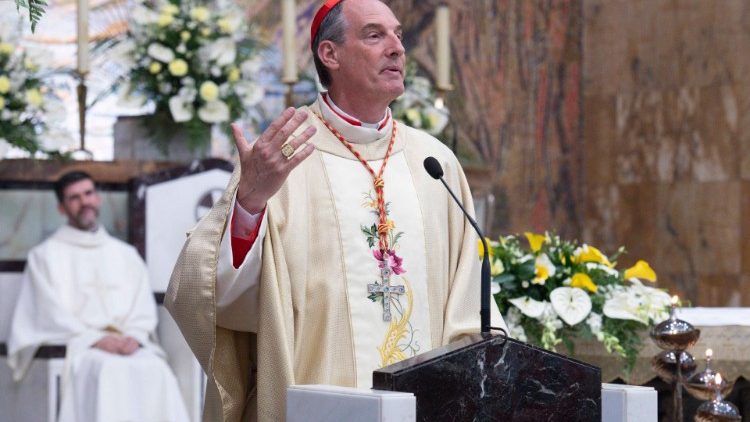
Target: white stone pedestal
[[628, 403], [327, 403]]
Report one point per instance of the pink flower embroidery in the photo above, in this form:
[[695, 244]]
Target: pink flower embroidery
[[393, 261]]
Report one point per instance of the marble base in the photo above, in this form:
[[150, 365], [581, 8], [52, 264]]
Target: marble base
[[496, 379], [628, 403], [327, 403]]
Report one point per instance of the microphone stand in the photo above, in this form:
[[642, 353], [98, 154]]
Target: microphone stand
[[484, 312]]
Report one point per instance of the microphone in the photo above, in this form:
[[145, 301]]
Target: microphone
[[435, 170]]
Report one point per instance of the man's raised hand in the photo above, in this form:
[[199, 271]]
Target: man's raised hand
[[264, 166]]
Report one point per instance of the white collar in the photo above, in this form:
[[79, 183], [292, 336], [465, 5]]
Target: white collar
[[70, 234], [351, 128]]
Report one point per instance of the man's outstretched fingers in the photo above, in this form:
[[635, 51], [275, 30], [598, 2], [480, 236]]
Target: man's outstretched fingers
[[283, 134], [303, 137], [239, 139], [270, 133]]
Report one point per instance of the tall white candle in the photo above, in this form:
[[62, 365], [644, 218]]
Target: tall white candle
[[443, 47], [289, 26], [83, 36]]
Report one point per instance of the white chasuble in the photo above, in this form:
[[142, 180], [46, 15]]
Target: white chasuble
[[78, 287], [378, 343], [298, 310]]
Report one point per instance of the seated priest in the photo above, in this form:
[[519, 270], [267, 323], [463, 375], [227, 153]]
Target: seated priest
[[332, 252], [89, 291]]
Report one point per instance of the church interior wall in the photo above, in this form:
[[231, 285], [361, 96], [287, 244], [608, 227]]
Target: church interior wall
[[666, 107]]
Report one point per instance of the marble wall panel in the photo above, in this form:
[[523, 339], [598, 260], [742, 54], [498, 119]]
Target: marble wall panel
[[682, 126], [602, 217], [598, 157], [637, 223], [743, 99], [675, 227], [687, 134], [724, 290], [745, 227], [717, 227]]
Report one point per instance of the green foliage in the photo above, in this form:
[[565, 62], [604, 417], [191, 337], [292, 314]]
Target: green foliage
[[23, 99], [620, 308], [36, 10], [196, 65]]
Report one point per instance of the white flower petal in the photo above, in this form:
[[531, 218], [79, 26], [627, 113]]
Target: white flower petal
[[160, 52], [182, 111], [250, 93], [528, 306], [572, 304], [222, 52], [214, 112]]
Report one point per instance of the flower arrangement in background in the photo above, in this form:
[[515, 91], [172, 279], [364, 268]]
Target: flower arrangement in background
[[416, 106], [195, 64], [23, 99], [556, 290]]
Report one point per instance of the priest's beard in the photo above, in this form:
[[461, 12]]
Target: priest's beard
[[87, 219]]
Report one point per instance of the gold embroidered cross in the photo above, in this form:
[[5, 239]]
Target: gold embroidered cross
[[386, 290]]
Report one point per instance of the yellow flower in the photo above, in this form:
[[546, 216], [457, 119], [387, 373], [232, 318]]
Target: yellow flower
[[6, 48], [543, 269], [641, 270], [225, 25], [154, 68], [535, 241], [30, 65], [233, 75], [185, 35], [170, 9], [583, 281], [200, 13], [497, 268], [164, 20], [178, 68], [2, 103], [481, 248], [4, 84], [390, 224], [33, 97], [590, 254], [205, 32], [209, 91], [412, 114]]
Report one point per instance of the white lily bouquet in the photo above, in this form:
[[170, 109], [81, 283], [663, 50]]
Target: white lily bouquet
[[555, 291], [416, 106], [195, 64], [22, 100]]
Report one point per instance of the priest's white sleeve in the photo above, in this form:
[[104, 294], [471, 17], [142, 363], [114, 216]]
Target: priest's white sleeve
[[39, 318], [142, 319], [237, 288]]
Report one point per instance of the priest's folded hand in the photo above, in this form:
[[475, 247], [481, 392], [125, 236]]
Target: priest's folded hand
[[267, 163], [110, 343], [128, 345], [117, 344]]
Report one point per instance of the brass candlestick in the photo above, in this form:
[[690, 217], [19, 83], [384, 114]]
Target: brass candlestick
[[717, 410], [289, 96], [82, 152], [674, 335]]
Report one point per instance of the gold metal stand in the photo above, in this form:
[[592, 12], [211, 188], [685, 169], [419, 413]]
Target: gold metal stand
[[82, 153], [289, 96]]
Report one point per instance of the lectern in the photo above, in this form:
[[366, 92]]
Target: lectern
[[495, 378]]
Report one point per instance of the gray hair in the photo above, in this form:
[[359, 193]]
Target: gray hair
[[332, 28]]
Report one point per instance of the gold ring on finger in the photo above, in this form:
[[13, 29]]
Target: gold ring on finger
[[287, 150]]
